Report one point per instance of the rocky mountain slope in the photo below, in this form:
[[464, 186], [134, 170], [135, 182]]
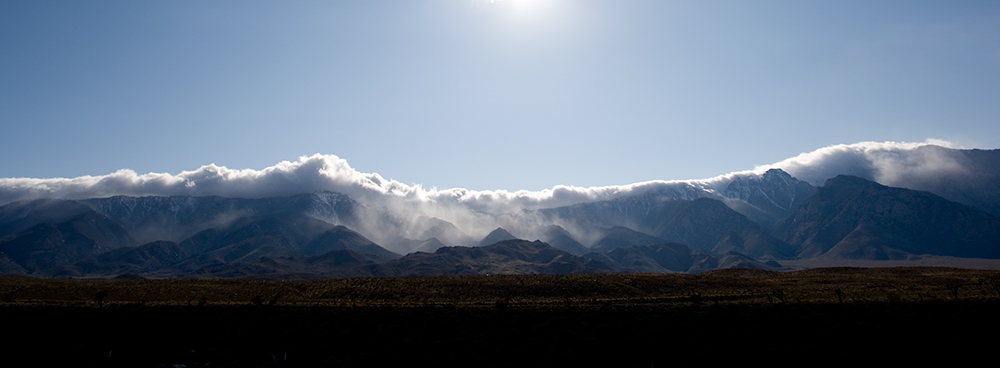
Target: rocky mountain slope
[[752, 220], [850, 217]]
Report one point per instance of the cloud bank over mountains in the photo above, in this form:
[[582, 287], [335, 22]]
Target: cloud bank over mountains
[[889, 163]]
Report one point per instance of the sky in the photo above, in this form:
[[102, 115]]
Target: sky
[[484, 95]]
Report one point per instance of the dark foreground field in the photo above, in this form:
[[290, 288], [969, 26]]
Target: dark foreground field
[[816, 316]]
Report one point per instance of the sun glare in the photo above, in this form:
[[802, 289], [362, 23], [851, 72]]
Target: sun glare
[[521, 6]]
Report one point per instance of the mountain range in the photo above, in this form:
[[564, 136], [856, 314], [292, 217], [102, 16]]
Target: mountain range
[[763, 219]]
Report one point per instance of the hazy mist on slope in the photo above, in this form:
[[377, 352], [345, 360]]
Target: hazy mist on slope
[[889, 163]]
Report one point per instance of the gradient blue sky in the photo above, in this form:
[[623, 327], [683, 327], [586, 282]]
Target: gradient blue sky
[[504, 95]]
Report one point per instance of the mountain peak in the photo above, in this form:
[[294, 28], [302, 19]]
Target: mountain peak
[[771, 195], [775, 173], [495, 236]]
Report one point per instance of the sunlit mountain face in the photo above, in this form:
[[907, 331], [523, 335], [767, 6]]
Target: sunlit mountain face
[[913, 202]]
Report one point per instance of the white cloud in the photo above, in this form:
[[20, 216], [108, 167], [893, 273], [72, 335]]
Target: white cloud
[[890, 163]]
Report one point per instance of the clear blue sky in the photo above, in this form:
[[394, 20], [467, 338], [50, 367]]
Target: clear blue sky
[[502, 95]]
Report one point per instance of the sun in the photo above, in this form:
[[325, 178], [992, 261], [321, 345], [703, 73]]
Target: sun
[[522, 6]]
